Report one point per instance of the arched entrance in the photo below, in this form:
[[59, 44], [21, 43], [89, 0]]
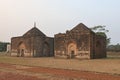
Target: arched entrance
[[46, 49], [21, 49], [71, 50]]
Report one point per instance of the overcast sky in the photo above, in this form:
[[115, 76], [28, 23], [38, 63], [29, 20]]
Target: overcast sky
[[54, 16]]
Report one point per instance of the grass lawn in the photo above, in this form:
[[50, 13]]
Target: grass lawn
[[108, 65]]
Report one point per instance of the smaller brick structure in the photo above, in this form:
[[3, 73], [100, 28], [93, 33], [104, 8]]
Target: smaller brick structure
[[80, 42], [33, 43]]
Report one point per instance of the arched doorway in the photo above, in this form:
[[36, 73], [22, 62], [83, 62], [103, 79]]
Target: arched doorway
[[21, 49], [46, 49], [71, 50]]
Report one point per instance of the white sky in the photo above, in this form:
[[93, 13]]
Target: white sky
[[54, 16]]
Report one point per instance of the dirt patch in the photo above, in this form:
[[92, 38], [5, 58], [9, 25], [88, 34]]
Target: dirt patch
[[74, 74], [54, 74], [107, 65], [6, 65], [11, 76]]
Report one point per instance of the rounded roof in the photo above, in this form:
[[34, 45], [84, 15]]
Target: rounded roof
[[34, 32]]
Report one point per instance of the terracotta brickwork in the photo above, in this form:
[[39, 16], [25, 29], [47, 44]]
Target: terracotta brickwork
[[32, 44], [81, 43]]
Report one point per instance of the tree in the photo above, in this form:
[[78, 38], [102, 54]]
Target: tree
[[114, 48], [101, 30]]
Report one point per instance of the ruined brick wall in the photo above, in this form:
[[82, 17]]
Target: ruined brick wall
[[18, 43], [81, 43], [100, 47], [83, 46], [38, 46], [59, 45], [73, 44], [64, 45], [43, 46], [49, 41], [14, 43], [32, 44], [92, 45]]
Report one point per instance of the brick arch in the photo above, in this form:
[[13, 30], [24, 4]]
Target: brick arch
[[21, 45], [21, 49], [72, 49]]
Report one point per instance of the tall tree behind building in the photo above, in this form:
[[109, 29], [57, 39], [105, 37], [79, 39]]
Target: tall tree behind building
[[101, 30]]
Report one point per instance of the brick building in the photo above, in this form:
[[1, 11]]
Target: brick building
[[80, 42], [33, 43]]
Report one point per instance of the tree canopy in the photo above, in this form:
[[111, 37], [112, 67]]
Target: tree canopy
[[101, 30], [114, 48]]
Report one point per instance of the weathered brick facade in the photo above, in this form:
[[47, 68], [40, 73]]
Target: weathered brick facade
[[32, 44], [80, 42]]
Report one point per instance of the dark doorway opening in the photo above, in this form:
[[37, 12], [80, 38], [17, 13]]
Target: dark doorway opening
[[72, 54], [22, 53]]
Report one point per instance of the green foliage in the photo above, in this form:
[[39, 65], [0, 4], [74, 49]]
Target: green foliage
[[101, 34], [114, 48], [101, 30], [3, 46]]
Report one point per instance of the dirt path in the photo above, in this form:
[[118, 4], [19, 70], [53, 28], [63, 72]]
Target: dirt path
[[74, 74], [79, 75], [11, 76]]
